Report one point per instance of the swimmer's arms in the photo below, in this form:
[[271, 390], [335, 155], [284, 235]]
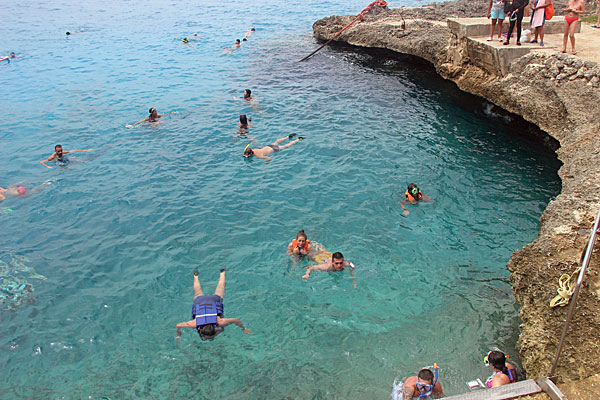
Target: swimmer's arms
[[188, 324], [320, 267], [139, 122], [228, 321], [75, 151], [351, 266], [261, 156], [405, 212], [408, 392], [52, 157]]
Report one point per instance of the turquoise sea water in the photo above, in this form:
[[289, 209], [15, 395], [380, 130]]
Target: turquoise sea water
[[119, 231]]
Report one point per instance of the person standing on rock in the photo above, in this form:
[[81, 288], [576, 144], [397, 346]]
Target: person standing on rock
[[516, 17], [538, 18], [496, 14], [573, 9]]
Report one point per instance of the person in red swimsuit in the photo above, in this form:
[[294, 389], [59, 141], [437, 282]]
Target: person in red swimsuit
[[573, 8]]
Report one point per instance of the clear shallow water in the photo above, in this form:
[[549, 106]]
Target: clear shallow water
[[118, 233]]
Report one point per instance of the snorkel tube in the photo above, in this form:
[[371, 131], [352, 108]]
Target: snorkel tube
[[426, 394]]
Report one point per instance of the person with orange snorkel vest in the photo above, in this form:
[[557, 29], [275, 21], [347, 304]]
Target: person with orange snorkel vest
[[413, 195], [300, 246]]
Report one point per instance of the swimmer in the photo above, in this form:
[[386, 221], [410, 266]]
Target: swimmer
[[207, 312], [266, 151], [7, 58], [237, 44], [412, 196], [300, 246], [504, 372], [153, 117], [20, 191], [244, 123], [59, 156], [249, 32], [337, 263], [422, 385], [74, 33]]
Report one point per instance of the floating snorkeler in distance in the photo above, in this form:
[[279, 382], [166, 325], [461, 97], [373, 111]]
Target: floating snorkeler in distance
[[266, 151], [59, 156], [153, 117], [413, 195], [421, 386], [336, 264], [208, 312], [7, 58], [20, 191], [249, 32], [74, 33]]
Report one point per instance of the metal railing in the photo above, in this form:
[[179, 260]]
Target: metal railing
[[584, 265]]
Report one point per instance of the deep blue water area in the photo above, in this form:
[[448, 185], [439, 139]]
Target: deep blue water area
[[96, 265]]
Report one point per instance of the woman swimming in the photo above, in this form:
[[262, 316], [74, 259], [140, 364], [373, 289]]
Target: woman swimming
[[243, 124], [300, 246], [153, 117]]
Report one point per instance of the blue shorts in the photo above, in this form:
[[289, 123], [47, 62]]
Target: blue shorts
[[497, 14]]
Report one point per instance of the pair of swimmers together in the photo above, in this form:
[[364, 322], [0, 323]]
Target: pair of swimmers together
[[301, 247]]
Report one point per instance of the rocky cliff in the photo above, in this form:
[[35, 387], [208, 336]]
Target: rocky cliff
[[558, 93]]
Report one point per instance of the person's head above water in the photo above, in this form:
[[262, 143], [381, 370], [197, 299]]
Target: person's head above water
[[12, 54], [337, 260], [68, 33], [207, 332], [496, 359], [414, 191], [58, 149], [185, 40], [243, 119], [247, 93], [425, 382], [301, 238], [244, 40], [153, 112], [248, 152], [253, 30], [237, 41]]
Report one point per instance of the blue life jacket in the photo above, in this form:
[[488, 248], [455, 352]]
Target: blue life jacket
[[206, 309]]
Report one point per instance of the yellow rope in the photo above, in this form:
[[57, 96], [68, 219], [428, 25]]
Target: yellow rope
[[566, 287]]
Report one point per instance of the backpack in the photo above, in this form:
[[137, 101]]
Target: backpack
[[549, 12]]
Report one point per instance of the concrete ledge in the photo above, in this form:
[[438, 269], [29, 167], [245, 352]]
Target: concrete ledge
[[477, 27], [495, 60]]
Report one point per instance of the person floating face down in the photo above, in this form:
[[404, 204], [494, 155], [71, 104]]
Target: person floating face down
[[59, 156], [208, 312], [422, 385], [300, 246], [336, 264], [503, 372], [412, 195], [275, 147]]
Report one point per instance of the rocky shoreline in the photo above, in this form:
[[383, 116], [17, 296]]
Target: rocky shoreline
[[560, 94]]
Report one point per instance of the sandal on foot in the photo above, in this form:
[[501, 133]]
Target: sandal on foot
[[541, 43], [518, 43], [534, 41], [505, 43]]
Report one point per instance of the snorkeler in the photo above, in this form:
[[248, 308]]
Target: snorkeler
[[266, 151], [59, 156], [207, 312], [422, 385], [337, 263], [153, 117], [300, 246], [7, 58], [74, 33], [249, 32], [504, 372], [412, 196], [20, 191]]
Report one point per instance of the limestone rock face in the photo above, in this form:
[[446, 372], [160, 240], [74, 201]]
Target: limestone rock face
[[560, 94]]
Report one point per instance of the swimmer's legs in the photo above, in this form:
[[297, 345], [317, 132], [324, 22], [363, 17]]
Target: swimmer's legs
[[197, 286], [279, 141], [293, 142], [220, 291]]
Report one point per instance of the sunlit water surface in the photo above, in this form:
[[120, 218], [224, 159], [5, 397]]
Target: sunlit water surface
[[119, 231]]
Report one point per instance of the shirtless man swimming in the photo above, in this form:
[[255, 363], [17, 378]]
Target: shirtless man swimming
[[336, 264], [153, 117], [59, 156], [266, 151]]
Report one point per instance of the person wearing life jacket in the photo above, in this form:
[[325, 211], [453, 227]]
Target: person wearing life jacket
[[336, 264], [413, 195], [422, 385], [208, 312], [504, 372], [300, 246]]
